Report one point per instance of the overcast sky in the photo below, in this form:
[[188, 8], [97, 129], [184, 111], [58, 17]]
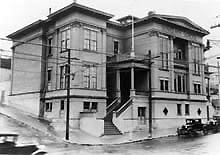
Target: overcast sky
[[15, 14]]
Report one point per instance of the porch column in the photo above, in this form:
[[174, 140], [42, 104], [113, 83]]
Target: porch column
[[118, 91], [132, 90]]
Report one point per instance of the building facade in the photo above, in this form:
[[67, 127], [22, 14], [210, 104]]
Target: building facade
[[109, 70]]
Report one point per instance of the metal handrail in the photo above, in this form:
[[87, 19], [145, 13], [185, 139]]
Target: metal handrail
[[124, 107], [113, 102]]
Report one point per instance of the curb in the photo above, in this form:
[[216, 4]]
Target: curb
[[84, 144]]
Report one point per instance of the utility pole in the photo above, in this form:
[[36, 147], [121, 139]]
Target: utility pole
[[68, 96], [150, 96]]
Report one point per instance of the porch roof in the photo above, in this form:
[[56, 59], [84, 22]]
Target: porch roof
[[128, 63]]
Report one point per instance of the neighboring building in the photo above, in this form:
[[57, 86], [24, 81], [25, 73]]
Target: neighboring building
[[107, 83], [5, 79]]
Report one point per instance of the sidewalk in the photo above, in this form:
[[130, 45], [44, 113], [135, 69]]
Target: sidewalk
[[78, 136]]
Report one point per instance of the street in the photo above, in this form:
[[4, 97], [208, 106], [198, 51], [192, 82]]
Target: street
[[202, 145]]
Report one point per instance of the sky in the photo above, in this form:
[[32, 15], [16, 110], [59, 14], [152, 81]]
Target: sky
[[15, 14]]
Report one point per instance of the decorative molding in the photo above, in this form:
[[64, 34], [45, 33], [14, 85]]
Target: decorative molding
[[153, 33]]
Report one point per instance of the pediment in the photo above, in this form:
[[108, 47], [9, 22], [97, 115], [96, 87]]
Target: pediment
[[183, 21]]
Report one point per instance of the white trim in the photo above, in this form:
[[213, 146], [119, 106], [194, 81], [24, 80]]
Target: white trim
[[89, 28], [163, 36]]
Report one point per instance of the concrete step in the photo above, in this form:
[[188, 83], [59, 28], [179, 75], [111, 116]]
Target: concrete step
[[110, 129]]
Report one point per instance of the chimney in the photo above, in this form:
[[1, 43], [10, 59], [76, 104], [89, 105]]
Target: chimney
[[74, 1], [150, 13], [49, 11]]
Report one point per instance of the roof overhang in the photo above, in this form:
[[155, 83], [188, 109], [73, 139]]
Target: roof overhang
[[75, 7], [26, 29]]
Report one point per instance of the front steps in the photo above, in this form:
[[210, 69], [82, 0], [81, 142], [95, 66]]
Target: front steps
[[110, 128]]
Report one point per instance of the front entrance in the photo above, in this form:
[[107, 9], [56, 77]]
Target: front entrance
[[125, 85]]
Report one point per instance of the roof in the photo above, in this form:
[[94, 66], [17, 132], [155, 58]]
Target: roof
[[175, 20], [26, 29], [128, 17], [74, 7], [77, 7]]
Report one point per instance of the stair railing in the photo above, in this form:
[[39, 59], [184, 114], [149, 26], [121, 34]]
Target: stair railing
[[112, 106], [124, 107]]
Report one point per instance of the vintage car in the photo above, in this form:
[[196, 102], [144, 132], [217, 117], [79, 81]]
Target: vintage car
[[213, 126], [191, 128], [9, 146]]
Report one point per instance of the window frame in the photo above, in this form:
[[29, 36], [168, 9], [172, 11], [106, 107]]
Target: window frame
[[49, 45], [164, 84], [116, 51], [62, 105], [65, 39], [48, 107], [197, 88], [196, 58], [90, 76], [90, 39], [90, 106], [179, 109], [180, 82], [164, 51], [187, 109]]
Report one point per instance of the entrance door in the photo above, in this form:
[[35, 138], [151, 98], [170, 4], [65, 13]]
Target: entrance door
[[125, 85]]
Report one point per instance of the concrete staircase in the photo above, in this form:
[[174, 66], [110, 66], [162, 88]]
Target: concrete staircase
[[110, 128]]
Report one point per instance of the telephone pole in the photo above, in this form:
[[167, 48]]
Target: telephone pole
[[68, 96], [150, 96]]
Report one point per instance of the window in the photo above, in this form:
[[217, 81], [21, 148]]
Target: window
[[62, 74], [164, 84], [90, 106], [93, 74], [49, 73], [179, 109], [180, 82], [65, 40], [196, 58], [62, 105], [90, 40], [50, 47], [90, 76], [197, 88], [86, 105], [164, 50], [116, 47], [141, 112], [187, 109], [48, 107], [63, 78], [94, 106]]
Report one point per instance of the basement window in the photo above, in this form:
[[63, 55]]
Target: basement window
[[90, 106], [48, 107], [187, 109], [179, 109], [62, 105]]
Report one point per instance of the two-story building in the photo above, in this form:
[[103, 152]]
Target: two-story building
[[110, 68]]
